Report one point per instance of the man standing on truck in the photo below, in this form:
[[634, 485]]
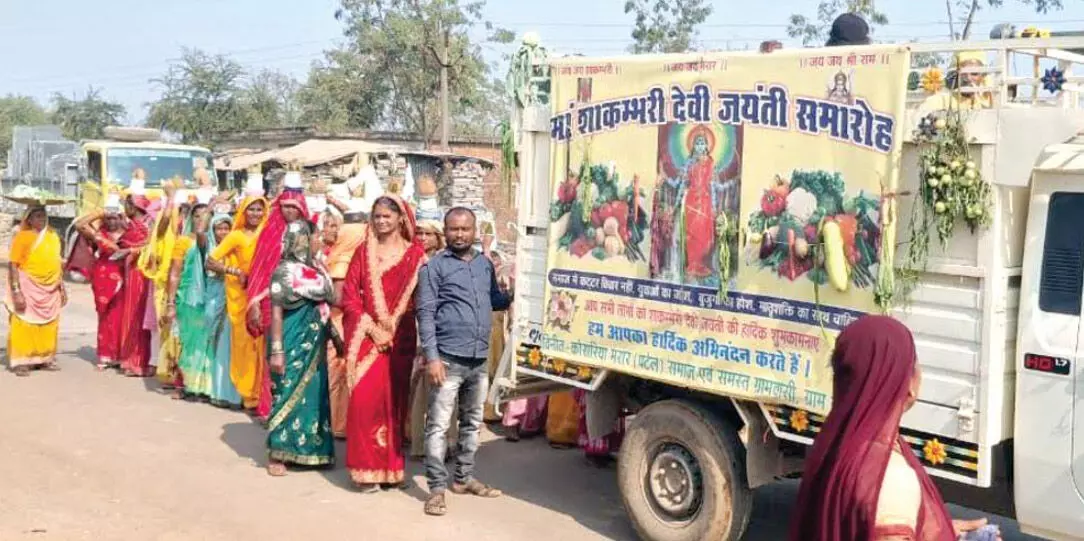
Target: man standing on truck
[[458, 291]]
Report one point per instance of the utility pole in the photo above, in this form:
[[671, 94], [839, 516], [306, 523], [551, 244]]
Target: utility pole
[[445, 114]]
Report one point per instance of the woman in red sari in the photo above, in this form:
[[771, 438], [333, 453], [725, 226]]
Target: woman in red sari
[[862, 482], [381, 338], [119, 288]]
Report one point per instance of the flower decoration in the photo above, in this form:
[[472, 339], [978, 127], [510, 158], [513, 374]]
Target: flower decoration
[[583, 372], [1053, 80], [534, 357], [562, 306], [799, 420], [559, 366], [933, 80], [935, 452], [1033, 32]]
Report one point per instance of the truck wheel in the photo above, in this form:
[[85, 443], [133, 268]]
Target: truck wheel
[[682, 475]]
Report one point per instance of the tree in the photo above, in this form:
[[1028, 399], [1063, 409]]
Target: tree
[[85, 118], [969, 8], [201, 95], [814, 32], [17, 110], [338, 94], [400, 45], [666, 26], [270, 100]]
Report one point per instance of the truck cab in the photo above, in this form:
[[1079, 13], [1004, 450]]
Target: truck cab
[[110, 163], [995, 312]]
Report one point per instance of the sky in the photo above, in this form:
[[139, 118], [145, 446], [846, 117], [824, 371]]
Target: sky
[[66, 46]]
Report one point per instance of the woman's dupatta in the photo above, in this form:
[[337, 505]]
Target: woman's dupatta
[[874, 361]]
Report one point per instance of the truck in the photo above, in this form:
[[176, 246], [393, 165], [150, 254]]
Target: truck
[[958, 191], [40, 157]]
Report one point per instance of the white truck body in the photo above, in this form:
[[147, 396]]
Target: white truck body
[[975, 313]]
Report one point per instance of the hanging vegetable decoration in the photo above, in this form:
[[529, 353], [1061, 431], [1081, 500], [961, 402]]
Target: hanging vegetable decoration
[[725, 231], [1053, 80], [913, 81], [951, 190], [933, 80]]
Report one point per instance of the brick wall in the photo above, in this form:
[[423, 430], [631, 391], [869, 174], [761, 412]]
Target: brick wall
[[496, 196]]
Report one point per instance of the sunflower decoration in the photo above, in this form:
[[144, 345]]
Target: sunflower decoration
[[1053, 79], [799, 420], [935, 452], [583, 373], [534, 357], [559, 366], [933, 80]]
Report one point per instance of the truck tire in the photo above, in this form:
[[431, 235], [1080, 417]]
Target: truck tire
[[681, 472]]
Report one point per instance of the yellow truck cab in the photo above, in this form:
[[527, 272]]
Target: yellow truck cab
[[110, 163]]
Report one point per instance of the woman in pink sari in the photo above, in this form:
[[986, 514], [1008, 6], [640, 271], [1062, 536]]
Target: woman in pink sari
[[381, 338], [862, 482]]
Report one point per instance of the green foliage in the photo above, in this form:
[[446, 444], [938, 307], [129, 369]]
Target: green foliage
[[666, 26], [86, 117], [201, 95], [270, 100], [17, 111], [401, 44]]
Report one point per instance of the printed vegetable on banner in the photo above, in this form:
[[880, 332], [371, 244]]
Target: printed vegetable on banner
[[717, 220]]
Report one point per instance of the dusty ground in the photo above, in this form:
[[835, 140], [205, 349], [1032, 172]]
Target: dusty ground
[[100, 457]]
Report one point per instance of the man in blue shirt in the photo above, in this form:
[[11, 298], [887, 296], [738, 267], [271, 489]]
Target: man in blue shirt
[[457, 293]]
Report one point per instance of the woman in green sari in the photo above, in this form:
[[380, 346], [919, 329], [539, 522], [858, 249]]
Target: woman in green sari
[[299, 429], [188, 294]]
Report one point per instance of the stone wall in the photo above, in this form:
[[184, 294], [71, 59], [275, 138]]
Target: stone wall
[[494, 193], [7, 226]]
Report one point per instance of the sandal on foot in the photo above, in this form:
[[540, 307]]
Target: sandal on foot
[[51, 367], [475, 487], [21, 372], [435, 505], [276, 469], [368, 488], [513, 434]]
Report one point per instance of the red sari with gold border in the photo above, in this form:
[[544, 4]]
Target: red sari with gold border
[[378, 308]]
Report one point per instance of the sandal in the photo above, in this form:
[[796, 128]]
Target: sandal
[[435, 505], [368, 488], [51, 367], [276, 469], [21, 371], [475, 487]]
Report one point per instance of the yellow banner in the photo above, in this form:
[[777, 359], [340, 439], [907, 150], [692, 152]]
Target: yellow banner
[[672, 176]]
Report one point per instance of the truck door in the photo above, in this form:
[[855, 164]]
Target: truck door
[[1049, 421]]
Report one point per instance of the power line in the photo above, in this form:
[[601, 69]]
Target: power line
[[779, 25], [228, 53]]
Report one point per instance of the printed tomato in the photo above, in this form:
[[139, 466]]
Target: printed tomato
[[771, 204]]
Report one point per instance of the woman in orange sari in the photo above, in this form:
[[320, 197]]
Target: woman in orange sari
[[340, 241], [381, 338], [36, 294], [232, 258]]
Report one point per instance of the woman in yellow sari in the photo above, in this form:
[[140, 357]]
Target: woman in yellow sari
[[37, 294], [156, 263], [232, 258]]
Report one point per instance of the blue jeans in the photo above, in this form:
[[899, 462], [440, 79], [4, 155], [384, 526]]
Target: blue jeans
[[467, 380]]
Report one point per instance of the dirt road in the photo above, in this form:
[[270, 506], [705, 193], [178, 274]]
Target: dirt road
[[96, 456]]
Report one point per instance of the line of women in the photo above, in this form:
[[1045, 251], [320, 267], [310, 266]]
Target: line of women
[[303, 320]]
